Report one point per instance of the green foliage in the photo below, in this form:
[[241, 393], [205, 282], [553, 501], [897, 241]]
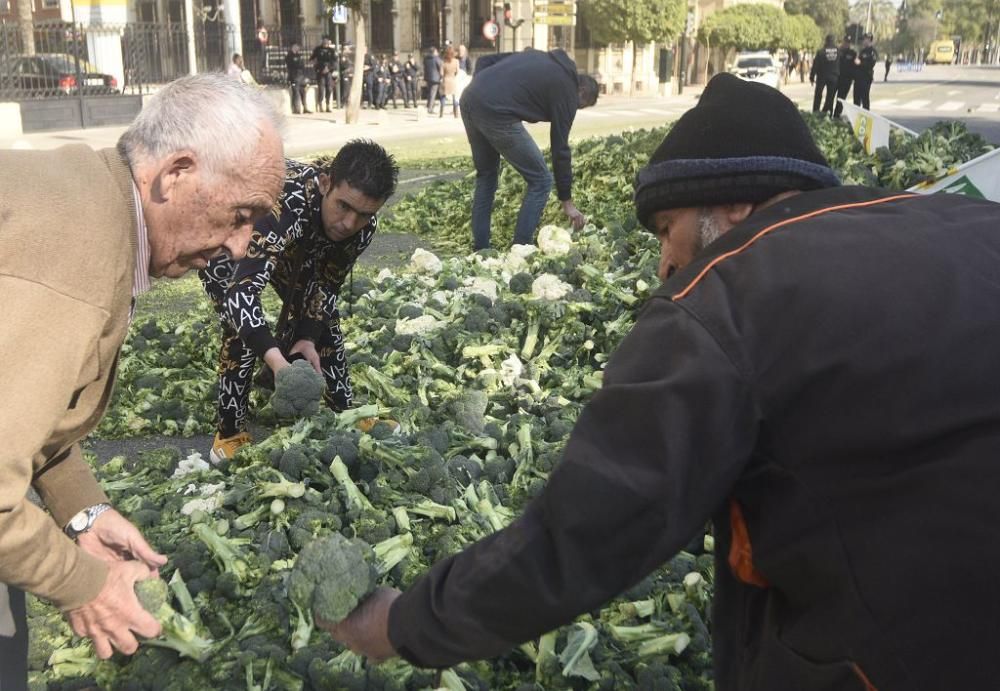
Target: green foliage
[[831, 16], [642, 21], [744, 27]]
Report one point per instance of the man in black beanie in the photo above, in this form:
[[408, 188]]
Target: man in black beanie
[[825, 75], [818, 377]]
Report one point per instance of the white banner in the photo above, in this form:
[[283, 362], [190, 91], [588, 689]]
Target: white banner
[[979, 178], [871, 130]]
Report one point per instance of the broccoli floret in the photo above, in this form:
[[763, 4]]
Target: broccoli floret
[[295, 462], [343, 444], [410, 311], [469, 410], [343, 673], [153, 382], [579, 295], [331, 576], [383, 429], [274, 545], [477, 320], [465, 470], [520, 283], [657, 676], [499, 470], [373, 526], [178, 632], [298, 391]]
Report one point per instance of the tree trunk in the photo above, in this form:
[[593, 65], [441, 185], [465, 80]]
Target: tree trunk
[[360, 49], [635, 67], [25, 26]]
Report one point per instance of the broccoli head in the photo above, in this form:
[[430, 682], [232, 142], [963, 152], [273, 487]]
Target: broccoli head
[[331, 576], [298, 391], [520, 283], [469, 410]]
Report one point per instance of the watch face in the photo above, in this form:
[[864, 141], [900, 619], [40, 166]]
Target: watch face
[[79, 521]]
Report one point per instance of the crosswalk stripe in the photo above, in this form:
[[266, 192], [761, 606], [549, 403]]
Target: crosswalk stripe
[[988, 108], [884, 103], [950, 105], [626, 113], [592, 113], [658, 111], [917, 104]]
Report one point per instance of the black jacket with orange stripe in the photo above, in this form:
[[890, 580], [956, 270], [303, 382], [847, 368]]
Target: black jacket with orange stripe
[[825, 378]]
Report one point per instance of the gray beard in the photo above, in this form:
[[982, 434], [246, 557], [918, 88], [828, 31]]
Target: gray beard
[[708, 230]]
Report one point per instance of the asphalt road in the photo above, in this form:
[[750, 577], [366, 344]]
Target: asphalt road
[[938, 92]]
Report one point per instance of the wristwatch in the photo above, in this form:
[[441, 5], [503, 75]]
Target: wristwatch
[[84, 521]]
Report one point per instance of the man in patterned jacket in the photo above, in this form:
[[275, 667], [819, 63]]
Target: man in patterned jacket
[[304, 248]]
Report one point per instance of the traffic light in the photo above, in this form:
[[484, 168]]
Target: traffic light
[[507, 15]]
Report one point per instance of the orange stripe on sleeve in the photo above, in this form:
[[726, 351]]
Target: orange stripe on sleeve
[[780, 224]]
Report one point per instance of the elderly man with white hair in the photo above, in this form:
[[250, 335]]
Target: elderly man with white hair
[[199, 165]]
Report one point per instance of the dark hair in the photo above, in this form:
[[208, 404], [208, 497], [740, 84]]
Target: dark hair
[[587, 89], [365, 166], [830, 41], [449, 52]]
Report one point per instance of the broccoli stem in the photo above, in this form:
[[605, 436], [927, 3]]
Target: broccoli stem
[[430, 509], [530, 339], [671, 643], [224, 551], [391, 552], [354, 495], [303, 627]]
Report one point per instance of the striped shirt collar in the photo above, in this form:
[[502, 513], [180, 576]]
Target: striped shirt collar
[[140, 282]]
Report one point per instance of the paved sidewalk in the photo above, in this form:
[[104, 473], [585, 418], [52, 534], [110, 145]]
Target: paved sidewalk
[[322, 131], [307, 134]]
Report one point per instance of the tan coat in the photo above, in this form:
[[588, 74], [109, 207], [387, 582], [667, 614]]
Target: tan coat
[[67, 257], [449, 77]]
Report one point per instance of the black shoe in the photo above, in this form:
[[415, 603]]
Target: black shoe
[[307, 112]]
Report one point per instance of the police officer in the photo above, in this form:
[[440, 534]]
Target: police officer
[[295, 64], [411, 75], [383, 81], [865, 63], [346, 74], [370, 68], [324, 59], [825, 74], [396, 78], [847, 69]]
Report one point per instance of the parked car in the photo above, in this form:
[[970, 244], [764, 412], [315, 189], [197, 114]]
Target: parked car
[[53, 74], [758, 67]]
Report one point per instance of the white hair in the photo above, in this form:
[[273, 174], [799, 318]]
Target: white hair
[[211, 114], [708, 229]]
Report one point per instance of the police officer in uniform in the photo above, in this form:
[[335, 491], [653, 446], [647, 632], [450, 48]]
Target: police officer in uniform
[[396, 79], [847, 68], [866, 61], [825, 74], [346, 75], [370, 68], [411, 75], [383, 82], [295, 64], [324, 58]]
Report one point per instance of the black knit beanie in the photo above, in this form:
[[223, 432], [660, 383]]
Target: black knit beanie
[[743, 142]]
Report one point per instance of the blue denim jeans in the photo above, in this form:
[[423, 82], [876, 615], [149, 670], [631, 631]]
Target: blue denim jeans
[[492, 135]]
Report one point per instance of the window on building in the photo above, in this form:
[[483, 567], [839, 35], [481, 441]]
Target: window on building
[[4, 6], [50, 4], [430, 24], [381, 22], [480, 11]]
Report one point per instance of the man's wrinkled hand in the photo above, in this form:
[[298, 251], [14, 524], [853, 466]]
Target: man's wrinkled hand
[[113, 538], [576, 218], [114, 618], [366, 630], [308, 350]]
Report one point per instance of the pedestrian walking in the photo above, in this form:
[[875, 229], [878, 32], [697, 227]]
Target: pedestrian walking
[[199, 164], [450, 68], [797, 379], [295, 65], [508, 90], [432, 75], [867, 59], [411, 76], [825, 75], [464, 61], [847, 71], [324, 59], [888, 66], [324, 220]]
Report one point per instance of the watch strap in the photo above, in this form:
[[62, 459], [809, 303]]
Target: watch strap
[[92, 512]]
